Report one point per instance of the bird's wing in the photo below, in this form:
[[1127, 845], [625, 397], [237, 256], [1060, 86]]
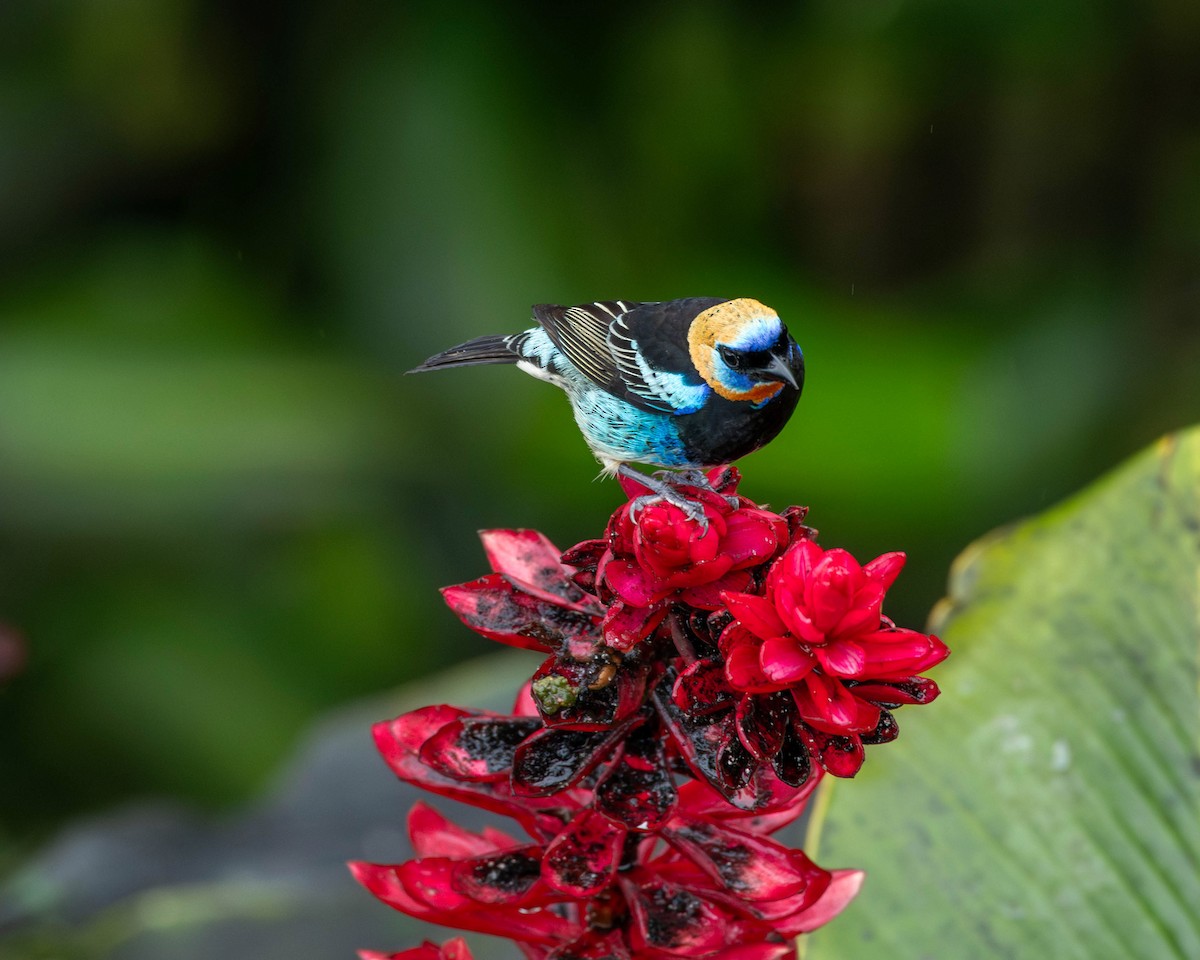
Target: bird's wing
[[636, 351]]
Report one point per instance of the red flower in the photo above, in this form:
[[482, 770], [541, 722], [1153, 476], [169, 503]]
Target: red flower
[[658, 555], [819, 634], [822, 609]]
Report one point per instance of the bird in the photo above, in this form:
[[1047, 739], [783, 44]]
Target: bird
[[684, 385]]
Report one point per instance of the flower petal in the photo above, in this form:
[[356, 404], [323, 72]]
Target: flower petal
[[752, 867], [582, 860], [828, 705], [626, 625], [841, 756], [433, 835], [783, 661], [756, 614], [509, 877], [638, 789], [673, 919], [830, 589], [454, 949], [477, 748], [632, 584], [897, 653], [792, 763], [744, 672], [885, 569], [894, 693], [762, 722], [555, 758], [701, 688], [752, 536], [885, 731], [708, 596], [499, 609], [696, 574], [843, 887], [531, 559], [841, 658]]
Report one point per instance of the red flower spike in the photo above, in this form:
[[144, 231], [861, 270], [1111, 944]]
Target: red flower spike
[[699, 680], [819, 633], [659, 904]]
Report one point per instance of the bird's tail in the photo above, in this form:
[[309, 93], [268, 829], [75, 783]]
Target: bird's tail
[[492, 349]]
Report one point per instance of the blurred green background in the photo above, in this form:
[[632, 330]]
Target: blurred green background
[[226, 229]]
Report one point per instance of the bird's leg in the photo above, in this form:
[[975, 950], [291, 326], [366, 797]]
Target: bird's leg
[[663, 490], [693, 477], [690, 476]]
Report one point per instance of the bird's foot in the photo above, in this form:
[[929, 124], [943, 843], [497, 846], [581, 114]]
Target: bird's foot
[[689, 477], [694, 477], [665, 486]]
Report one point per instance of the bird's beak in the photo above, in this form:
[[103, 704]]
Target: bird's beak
[[778, 369]]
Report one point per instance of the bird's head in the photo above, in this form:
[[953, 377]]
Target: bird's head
[[743, 351]]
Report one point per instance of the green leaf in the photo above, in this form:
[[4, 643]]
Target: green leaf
[[1048, 805]]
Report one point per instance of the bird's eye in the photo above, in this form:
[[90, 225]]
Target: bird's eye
[[731, 357]]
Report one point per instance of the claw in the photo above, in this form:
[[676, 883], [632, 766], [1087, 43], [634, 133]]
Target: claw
[[662, 483], [692, 510]]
